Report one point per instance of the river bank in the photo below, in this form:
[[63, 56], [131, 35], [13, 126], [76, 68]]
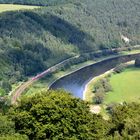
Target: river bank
[[75, 82], [46, 82], [88, 94]]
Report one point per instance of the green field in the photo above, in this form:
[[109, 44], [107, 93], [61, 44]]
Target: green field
[[14, 7], [126, 87]]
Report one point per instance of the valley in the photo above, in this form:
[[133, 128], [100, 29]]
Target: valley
[[69, 69]]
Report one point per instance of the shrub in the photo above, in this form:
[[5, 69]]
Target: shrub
[[120, 68], [99, 98], [137, 62]]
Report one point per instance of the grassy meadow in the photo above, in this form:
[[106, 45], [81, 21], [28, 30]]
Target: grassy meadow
[[125, 87], [14, 7]]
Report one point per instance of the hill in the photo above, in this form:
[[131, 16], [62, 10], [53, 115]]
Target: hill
[[31, 41], [36, 2], [13, 7]]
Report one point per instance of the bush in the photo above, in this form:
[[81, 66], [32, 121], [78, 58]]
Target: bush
[[120, 68], [102, 86], [137, 62], [99, 98]]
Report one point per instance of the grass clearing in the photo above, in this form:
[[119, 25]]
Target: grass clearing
[[14, 7], [126, 87]]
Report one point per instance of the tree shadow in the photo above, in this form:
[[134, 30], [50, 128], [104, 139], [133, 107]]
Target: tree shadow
[[62, 29], [14, 24]]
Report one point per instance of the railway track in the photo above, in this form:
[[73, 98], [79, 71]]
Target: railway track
[[25, 85]]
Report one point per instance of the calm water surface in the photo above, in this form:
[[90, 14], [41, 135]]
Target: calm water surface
[[76, 82]]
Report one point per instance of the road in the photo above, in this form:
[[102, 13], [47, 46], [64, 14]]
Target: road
[[25, 85]]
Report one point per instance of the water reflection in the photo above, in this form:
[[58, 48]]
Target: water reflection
[[76, 82]]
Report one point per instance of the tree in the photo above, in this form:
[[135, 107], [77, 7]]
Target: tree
[[99, 98], [57, 115], [125, 121], [120, 68], [6, 125], [137, 62], [13, 137]]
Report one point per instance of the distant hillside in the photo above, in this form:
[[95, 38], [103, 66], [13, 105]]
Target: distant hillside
[[31, 41], [15, 7], [37, 2]]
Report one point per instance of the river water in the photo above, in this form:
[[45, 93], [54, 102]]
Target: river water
[[75, 82]]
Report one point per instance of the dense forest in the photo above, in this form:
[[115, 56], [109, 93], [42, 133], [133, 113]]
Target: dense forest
[[58, 115], [31, 41], [34, 40], [37, 2]]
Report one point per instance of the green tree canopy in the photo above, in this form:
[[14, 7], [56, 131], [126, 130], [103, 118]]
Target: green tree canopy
[[57, 115], [125, 120], [7, 129]]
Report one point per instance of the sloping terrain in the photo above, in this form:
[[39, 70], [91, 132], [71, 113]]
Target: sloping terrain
[[37, 2], [14, 7], [31, 41]]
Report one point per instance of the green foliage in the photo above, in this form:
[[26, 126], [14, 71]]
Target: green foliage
[[6, 125], [57, 115], [102, 85], [126, 121], [5, 87], [100, 88], [36, 2], [7, 129], [13, 137], [99, 98], [137, 62], [2, 92], [61, 31], [120, 68]]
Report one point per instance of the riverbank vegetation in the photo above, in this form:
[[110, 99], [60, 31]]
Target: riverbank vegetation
[[116, 86], [72, 66]]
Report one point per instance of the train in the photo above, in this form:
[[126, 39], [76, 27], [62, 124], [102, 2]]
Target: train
[[41, 74]]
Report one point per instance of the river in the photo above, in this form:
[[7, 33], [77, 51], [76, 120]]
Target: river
[[75, 82]]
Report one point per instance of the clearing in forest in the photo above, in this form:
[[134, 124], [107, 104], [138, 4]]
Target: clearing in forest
[[14, 7]]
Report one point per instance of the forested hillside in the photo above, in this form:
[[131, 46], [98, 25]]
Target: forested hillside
[[37, 2], [31, 41]]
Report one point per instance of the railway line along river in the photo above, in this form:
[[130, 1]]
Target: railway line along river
[[75, 82]]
